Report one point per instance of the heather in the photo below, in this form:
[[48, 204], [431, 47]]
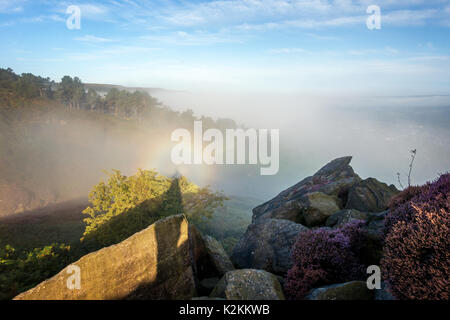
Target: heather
[[324, 256], [416, 253]]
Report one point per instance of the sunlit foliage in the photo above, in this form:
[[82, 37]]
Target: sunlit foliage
[[21, 270], [124, 205]]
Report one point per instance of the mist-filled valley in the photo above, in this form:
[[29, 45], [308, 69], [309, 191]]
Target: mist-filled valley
[[51, 153]]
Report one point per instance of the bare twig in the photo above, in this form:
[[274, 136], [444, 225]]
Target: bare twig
[[399, 182], [413, 156]]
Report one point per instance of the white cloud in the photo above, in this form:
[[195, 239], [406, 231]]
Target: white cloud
[[11, 6], [409, 17], [287, 50], [323, 37], [42, 18], [300, 13], [91, 38], [119, 51], [391, 50], [192, 39]]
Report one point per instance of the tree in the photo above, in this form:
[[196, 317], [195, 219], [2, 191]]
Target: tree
[[78, 93], [93, 99], [71, 92], [123, 205]]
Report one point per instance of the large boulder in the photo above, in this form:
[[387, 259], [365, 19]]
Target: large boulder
[[156, 263], [353, 290], [218, 256], [334, 180], [248, 284], [370, 195], [317, 207], [267, 245]]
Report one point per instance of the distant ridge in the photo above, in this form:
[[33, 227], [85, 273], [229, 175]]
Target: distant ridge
[[103, 87]]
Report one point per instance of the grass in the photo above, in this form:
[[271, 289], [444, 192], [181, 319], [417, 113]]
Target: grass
[[63, 223], [59, 223]]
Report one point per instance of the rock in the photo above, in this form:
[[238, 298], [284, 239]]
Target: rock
[[318, 207], [342, 217], [281, 280], [375, 221], [267, 245], [207, 285], [334, 179], [155, 263], [210, 259], [353, 290], [201, 262], [207, 298], [374, 238], [203, 265], [218, 256], [248, 284], [370, 195], [383, 293]]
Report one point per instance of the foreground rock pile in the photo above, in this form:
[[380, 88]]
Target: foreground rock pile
[[332, 197], [171, 259]]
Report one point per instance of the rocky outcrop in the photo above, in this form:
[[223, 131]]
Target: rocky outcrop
[[160, 262], [267, 245], [316, 201], [248, 284], [276, 224], [307, 201], [353, 290], [370, 195], [218, 256]]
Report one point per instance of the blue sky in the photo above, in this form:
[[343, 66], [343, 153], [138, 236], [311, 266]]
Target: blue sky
[[249, 45]]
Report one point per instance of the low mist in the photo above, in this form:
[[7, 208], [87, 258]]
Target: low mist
[[61, 156], [379, 132]]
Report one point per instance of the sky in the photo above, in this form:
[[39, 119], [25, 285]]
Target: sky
[[309, 46], [278, 64]]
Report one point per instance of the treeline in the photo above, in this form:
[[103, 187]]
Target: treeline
[[74, 95], [26, 86]]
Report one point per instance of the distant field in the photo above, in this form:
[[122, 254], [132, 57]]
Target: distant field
[[63, 223], [58, 223]]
